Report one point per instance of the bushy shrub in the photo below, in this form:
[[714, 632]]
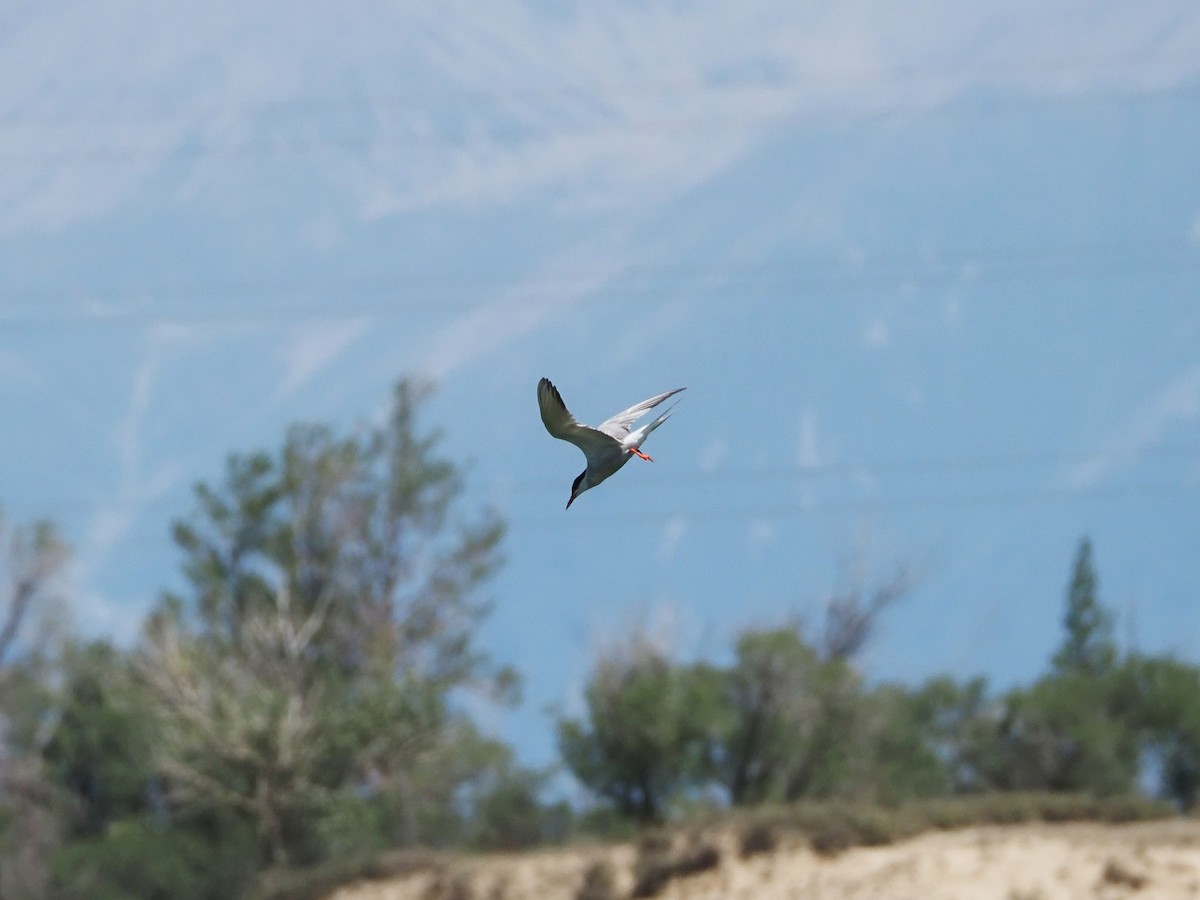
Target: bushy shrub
[[136, 860]]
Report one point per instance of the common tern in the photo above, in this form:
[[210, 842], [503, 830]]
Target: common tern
[[609, 445]]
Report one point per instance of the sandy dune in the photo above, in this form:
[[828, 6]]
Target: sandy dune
[[1149, 861]]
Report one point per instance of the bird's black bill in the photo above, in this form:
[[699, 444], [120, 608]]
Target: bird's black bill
[[575, 489]]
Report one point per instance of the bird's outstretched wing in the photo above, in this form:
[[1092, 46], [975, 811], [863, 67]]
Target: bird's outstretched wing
[[561, 424], [618, 426]]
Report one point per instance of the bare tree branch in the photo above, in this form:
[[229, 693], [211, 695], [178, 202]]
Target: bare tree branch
[[29, 563], [852, 613]]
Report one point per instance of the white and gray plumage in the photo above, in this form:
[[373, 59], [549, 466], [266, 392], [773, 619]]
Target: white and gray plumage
[[609, 445]]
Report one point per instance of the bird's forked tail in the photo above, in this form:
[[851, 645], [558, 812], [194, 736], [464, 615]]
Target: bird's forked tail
[[636, 438]]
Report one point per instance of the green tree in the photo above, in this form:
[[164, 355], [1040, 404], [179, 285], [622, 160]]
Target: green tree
[[958, 723], [796, 720], [772, 711], [834, 757], [146, 859], [333, 608], [1067, 732], [98, 750], [649, 729], [506, 809], [1073, 729], [834, 754], [463, 789], [911, 755], [1163, 695], [1088, 647], [793, 724]]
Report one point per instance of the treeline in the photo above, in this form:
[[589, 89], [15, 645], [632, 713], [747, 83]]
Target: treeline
[[792, 719], [301, 701]]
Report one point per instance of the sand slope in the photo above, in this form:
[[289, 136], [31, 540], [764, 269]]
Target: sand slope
[[1149, 861]]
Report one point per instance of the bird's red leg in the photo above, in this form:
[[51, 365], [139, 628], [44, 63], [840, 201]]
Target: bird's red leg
[[636, 452]]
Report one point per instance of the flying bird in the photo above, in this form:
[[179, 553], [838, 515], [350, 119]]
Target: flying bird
[[609, 445]]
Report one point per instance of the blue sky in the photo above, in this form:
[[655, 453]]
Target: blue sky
[[931, 275]]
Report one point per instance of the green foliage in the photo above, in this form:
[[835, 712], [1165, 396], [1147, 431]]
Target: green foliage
[[790, 722], [1066, 733], [771, 711], [958, 724], [606, 823], [139, 860], [334, 595], [906, 761], [508, 813], [295, 716], [1163, 699], [358, 824], [835, 759], [358, 532], [1074, 729], [797, 721], [781, 723], [648, 730], [467, 791], [1088, 647], [99, 750]]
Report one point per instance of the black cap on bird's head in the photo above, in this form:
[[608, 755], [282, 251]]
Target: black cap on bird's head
[[575, 489]]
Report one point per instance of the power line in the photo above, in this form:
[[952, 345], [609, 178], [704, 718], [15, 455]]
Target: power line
[[1032, 497], [1148, 491], [599, 119], [806, 474], [802, 280], [1155, 492], [563, 90], [803, 473]]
